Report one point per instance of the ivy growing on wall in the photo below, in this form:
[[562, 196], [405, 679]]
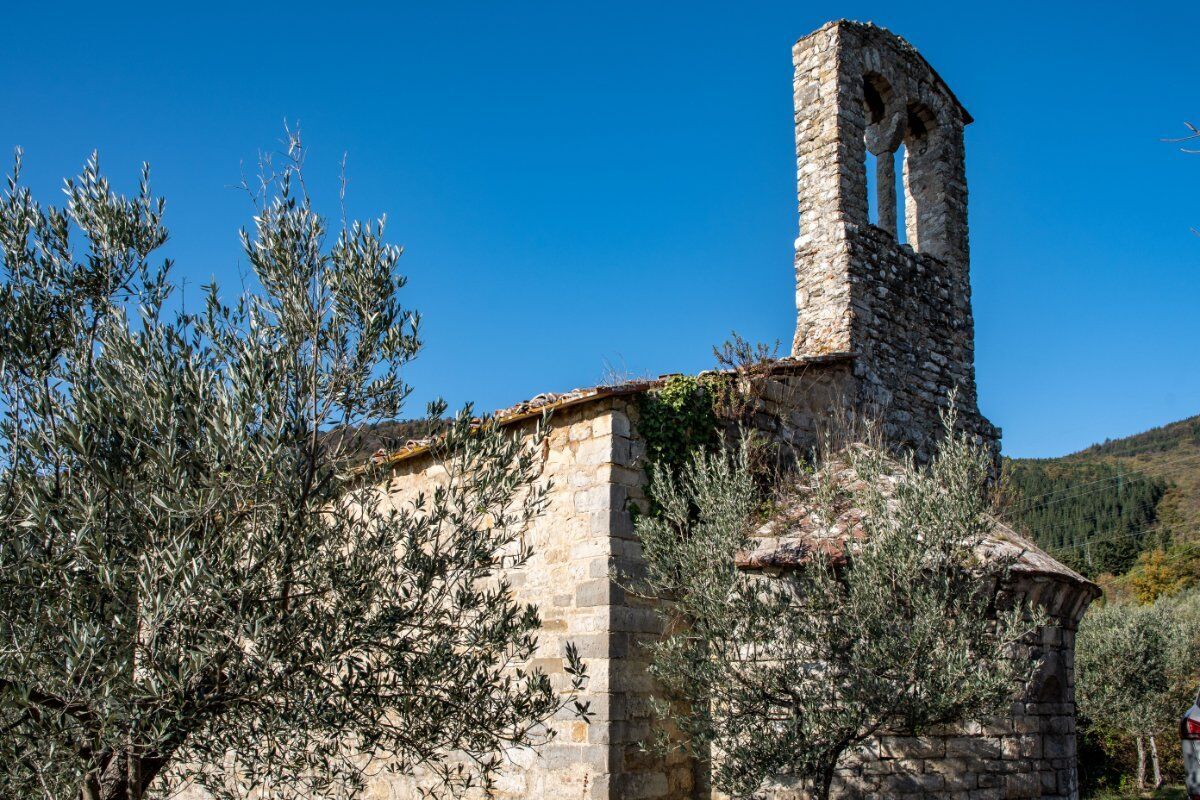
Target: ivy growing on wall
[[691, 413], [676, 421]]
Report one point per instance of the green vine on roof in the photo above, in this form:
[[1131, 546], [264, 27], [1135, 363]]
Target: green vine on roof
[[677, 420]]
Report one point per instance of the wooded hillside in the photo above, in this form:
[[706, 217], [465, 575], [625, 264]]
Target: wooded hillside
[[1126, 507]]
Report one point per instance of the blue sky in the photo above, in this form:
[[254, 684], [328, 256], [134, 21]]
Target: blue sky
[[579, 185]]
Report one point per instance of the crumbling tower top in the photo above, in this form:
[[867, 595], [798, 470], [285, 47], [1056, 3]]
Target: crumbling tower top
[[860, 89], [890, 286]]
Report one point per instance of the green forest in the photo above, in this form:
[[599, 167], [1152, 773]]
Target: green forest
[[1125, 512]]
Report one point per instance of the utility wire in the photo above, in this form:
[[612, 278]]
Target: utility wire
[[1108, 536], [1080, 516], [1181, 463], [1186, 457]]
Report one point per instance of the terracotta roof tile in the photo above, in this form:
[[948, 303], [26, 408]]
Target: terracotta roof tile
[[790, 538], [549, 401]]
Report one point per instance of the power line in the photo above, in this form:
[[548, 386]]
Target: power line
[[1126, 479], [1179, 465], [1131, 469], [1108, 536], [1095, 518], [1097, 533], [1080, 516], [1097, 536]]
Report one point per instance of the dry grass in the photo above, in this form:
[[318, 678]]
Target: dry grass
[[1164, 793]]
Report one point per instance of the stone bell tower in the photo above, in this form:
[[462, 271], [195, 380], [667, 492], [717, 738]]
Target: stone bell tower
[[896, 292]]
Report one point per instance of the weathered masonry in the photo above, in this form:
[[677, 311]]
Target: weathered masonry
[[884, 327], [594, 460], [864, 95]]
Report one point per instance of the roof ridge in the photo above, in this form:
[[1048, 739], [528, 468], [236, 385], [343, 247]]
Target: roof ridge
[[551, 401]]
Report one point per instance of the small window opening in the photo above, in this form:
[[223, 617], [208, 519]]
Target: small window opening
[[1052, 690], [880, 162], [885, 193], [924, 225], [872, 188], [917, 128], [901, 192], [876, 106]]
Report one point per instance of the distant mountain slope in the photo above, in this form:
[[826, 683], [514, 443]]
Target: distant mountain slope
[[1098, 509], [1171, 452]]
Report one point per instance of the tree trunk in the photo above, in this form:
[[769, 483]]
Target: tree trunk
[[124, 777], [826, 782], [702, 772], [1141, 767], [90, 790], [112, 782], [1154, 763]]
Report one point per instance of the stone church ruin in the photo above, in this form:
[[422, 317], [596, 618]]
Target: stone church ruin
[[884, 327]]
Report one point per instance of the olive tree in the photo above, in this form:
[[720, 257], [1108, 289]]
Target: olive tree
[[895, 628], [1134, 672], [198, 581]]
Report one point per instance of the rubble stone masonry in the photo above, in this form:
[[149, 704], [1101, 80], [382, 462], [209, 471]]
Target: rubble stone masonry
[[904, 309]]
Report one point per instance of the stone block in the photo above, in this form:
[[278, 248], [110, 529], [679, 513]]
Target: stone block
[[594, 499], [635, 620], [1026, 724], [894, 766], [1068, 783], [556, 756], [550, 666], [1058, 746], [595, 645], [1022, 785], [910, 784], [972, 747], [611, 423], [1022, 746], [596, 592], [593, 452], [989, 780], [960, 781], [989, 793], [912, 747], [641, 786]]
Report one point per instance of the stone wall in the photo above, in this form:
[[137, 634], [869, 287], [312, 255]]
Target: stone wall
[[575, 543], [594, 462], [797, 401], [568, 579], [637, 775], [904, 309], [1029, 753]]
